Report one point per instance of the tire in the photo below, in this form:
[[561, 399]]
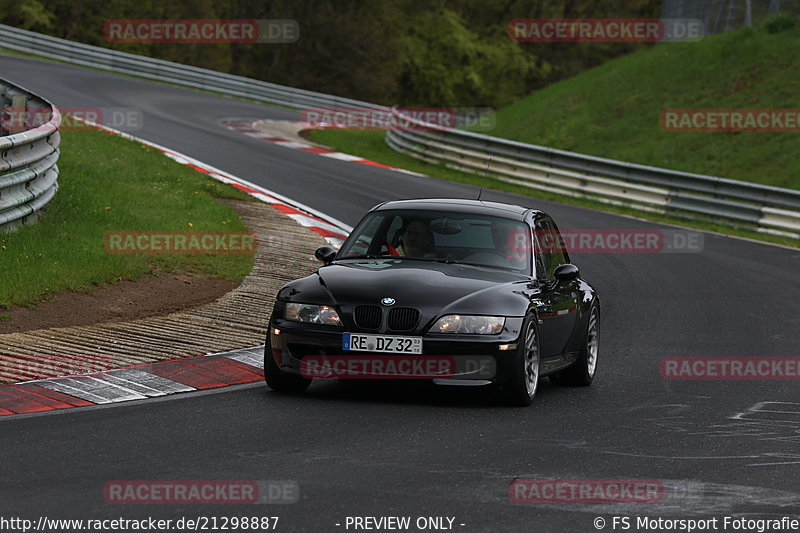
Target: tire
[[524, 382], [278, 380], [583, 370]]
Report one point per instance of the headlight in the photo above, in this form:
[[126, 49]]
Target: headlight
[[477, 325], [313, 314]]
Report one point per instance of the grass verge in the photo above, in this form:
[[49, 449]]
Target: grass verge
[[108, 183], [372, 145], [614, 110]]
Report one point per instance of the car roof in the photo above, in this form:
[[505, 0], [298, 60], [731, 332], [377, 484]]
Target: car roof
[[461, 205]]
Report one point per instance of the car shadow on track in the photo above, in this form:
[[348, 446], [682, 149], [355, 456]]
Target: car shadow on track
[[412, 393]]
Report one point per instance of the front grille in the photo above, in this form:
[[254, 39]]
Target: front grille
[[368, 316], [403, 319]]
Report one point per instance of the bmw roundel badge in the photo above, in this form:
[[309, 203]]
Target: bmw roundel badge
[[388, 301]]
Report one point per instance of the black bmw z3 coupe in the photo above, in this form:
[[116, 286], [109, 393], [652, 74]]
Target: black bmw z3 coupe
[[458, 292]]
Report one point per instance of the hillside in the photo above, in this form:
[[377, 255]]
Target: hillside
[[614, 110]]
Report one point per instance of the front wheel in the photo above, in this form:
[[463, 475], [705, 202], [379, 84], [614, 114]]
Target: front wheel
[[278, 380], [581, 373], [524, 381]]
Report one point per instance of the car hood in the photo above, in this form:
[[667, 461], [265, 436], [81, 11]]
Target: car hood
[[434, 288]]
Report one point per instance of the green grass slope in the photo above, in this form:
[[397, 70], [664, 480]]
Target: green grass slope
[[108, 183], [614, 110]]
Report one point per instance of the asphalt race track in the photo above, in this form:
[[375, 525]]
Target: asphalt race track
[[718, 447]]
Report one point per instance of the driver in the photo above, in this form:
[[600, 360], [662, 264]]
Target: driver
[[417, 241], [511, 242]]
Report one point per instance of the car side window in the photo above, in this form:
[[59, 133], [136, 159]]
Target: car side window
[[540, 258], [549, 249], [558, 255], [364, 240]]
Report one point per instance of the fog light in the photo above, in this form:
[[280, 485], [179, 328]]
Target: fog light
[[506, 347], [276, 331]]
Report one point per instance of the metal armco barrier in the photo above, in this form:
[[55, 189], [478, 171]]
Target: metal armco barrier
[[28, 170], [167, 71], [762, 207]]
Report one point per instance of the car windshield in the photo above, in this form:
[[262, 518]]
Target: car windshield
[[450, 237]]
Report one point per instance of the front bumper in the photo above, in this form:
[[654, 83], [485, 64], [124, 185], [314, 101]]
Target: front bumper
[[476, 359]]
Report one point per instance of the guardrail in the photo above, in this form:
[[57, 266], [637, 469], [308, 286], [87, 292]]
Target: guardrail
[[167, 71], [764, 208], [761, 207], [28, 170]]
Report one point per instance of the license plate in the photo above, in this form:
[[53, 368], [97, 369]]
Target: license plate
[[356, 342]]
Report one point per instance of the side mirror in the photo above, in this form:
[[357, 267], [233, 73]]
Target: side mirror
[[325, 254], [566, 272]]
